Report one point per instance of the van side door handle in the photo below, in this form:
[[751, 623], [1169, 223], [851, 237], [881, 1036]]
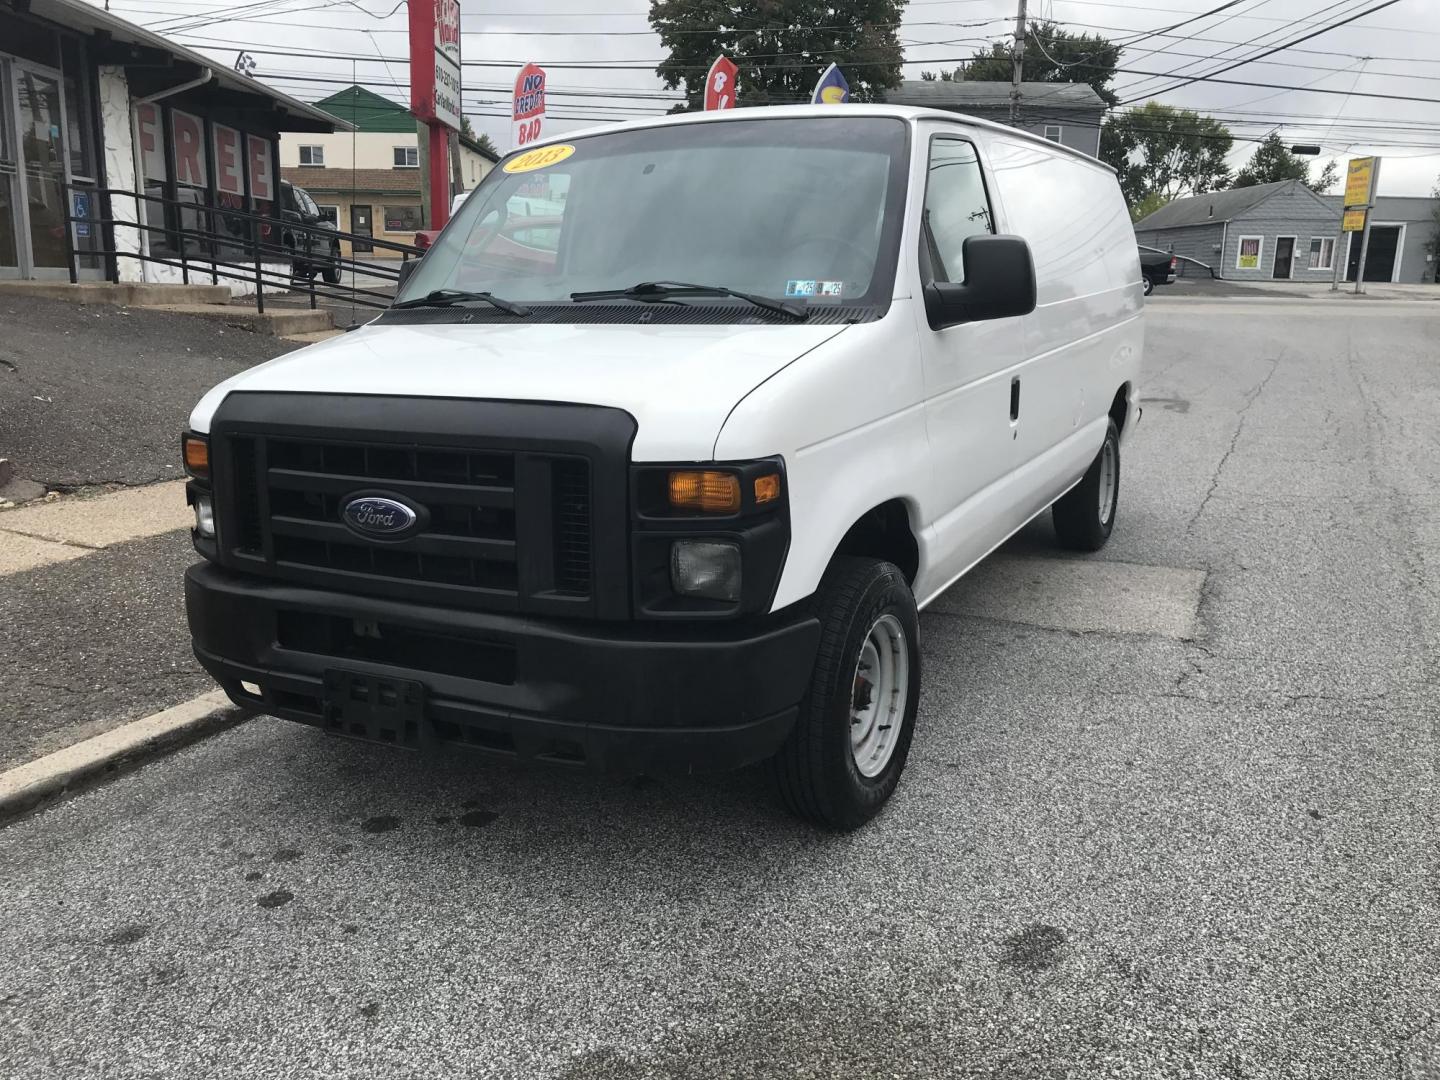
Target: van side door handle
[[1015, 399]]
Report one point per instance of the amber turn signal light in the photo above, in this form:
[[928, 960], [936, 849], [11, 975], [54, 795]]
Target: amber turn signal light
[[767, 489], [196, 451], [712, 492]]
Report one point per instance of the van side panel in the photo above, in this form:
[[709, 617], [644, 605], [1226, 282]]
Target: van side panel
[[1084, 339], [849, 419]]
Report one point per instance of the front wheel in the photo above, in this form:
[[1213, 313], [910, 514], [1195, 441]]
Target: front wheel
[[331, 273], [847, 750], [1085, 514]]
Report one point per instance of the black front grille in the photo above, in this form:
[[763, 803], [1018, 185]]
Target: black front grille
[[468, 542], [522, 506]]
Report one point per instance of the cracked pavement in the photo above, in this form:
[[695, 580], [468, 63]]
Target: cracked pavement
[[1113, 854]]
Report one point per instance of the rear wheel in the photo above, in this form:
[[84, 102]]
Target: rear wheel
[[1085, 514], [1149, 284], [331, 273], [847, 750]]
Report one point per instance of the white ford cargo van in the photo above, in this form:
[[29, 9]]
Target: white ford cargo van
[[666, 440]]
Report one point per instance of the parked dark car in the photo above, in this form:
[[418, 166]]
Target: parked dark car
[[1156, 267], [310, 249]]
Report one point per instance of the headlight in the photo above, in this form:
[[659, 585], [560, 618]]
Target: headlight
[[204, 517], [705, 568]]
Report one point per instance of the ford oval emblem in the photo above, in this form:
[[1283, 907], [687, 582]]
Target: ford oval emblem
[[378, 517]]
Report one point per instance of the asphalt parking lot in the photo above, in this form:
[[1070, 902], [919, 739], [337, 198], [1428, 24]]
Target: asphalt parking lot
[[1170, 812]]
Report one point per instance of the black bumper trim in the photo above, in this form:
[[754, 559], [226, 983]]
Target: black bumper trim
[[612, 696]]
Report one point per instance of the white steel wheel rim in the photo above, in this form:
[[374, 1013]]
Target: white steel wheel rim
[[1109, 474], [878, 696]]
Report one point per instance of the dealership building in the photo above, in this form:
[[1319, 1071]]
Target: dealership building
[[94, 111]]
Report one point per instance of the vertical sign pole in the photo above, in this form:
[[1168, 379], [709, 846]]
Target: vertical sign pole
[[439, 178], [1335, 256]]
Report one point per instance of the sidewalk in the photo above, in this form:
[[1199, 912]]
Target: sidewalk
[[1191, 288]]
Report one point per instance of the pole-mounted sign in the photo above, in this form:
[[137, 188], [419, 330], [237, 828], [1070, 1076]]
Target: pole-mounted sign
[[435, 89], [1362, 177], [720, 84], [529, 104]]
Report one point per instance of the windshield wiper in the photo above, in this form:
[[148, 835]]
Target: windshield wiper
[[446, 297], [669, 290]]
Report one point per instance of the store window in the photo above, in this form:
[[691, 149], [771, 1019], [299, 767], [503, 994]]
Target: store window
[[312, 155], [1052, 132], [407, 157], [403, 219], [1322, 253], [329, 213], [1247, 255]]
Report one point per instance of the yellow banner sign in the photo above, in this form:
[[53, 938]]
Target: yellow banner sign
[[1354, 221], [1359, 182]]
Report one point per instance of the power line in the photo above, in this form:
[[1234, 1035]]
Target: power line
[[1209, 76]]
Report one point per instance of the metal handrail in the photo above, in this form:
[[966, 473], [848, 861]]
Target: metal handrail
[[216, 259]]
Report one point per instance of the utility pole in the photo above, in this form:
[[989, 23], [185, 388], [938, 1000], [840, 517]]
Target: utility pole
[[1365, 236], [1019, 65]]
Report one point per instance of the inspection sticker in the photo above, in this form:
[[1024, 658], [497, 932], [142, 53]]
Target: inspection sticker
[[804, 287], [541, 157]]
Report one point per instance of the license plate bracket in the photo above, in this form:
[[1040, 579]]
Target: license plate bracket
[[376, 709]]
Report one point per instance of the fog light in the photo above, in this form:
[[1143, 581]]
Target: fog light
[[705, 568], [253, 689], [204, 517]]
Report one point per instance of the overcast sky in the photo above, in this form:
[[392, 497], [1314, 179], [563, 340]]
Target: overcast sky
[[1395, 51]]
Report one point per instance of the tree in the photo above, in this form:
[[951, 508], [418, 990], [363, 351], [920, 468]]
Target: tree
[[465, 128], [1272, 161], [780, 46], [485, 144], [1052, 54], [1147, 206], [1161, 150], [1432, 245]]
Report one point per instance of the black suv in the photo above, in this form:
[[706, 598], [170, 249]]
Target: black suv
[[309, 250]]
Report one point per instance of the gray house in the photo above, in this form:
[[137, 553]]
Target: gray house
[[1285, 231], [1066, 113]]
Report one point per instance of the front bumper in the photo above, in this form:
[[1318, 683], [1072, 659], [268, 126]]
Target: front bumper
[[621, 697]]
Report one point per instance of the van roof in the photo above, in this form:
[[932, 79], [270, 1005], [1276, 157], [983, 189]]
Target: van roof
[[777, 112]]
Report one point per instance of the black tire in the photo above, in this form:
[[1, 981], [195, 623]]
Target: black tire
[[1079, 522], [331, 273], [815, 770], [1149, 285]]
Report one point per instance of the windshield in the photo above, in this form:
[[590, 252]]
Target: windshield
[[795, 207]]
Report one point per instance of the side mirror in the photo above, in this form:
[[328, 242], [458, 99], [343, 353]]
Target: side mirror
[[407, 268], [999, 284]]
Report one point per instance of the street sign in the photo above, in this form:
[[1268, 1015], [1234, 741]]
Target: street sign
[[435, 62], [1353, 221], [528, 110], [1360, 182], [720, 84]]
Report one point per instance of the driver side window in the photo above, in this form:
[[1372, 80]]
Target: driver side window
[[956, 206]]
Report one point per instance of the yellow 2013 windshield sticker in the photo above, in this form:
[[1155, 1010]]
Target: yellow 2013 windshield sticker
[[541, 157]]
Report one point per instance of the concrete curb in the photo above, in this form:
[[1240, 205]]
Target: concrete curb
[[42, 781]]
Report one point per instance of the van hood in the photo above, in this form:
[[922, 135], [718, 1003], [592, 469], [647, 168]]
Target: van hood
[[678, 382]]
